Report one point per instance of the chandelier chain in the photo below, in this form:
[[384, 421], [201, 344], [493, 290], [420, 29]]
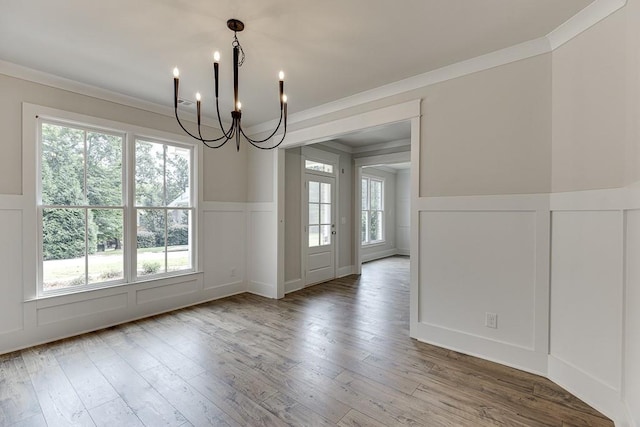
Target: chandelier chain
[[236, 43]]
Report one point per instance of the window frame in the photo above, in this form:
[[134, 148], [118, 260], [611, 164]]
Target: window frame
[[33, 117], [135, 208], [369, 179], [86, 206]]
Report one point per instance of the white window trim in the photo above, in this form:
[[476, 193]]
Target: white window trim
[[320, 156], [31, 114], [383, 210]]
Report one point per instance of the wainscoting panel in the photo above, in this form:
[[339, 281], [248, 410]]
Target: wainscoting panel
[[480, 255], [478, 262], [78, 311], [631, 369], [11, 310], [586, 292], [262, 254], [594, 299], [169, 291], [224, 247]]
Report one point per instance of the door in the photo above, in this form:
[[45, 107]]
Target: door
[[320, 229]]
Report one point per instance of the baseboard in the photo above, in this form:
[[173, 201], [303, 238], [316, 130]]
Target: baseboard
[[403, 252], [261, 289], [293, 285], [378, 254], [594, 392], [344, 271], [227, 289], [474, 345]]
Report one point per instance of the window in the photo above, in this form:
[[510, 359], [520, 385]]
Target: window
[[372, 210], [86, 227], [317, 166], [163, 208], [319, 213]]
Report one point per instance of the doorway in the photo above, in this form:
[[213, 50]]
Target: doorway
[[409, 113]]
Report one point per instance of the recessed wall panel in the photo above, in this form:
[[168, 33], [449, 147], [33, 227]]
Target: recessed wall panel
[[474, 262]]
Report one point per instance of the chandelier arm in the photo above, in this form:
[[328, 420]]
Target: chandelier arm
[[227, 139], [260, 141], [185, 129], [228, 134], [199, 138], [284, 134]]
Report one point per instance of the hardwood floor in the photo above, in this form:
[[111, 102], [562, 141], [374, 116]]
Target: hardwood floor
[[333, 354]]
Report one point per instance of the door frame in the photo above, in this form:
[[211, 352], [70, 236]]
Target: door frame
[[310, 153], [406, 111]]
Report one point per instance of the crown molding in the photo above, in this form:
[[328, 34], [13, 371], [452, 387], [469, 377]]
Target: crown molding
[[35, 76], [583, 20]]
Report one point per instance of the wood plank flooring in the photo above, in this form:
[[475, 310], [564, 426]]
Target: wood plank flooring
[[338, 353]]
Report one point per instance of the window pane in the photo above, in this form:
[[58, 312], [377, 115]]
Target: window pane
[[149, 174], [178, 173], [106, 259], [104, 169], [314, 213], [151, 241], [376, 195], [374, 226], [325, 193], [317, 166], [178, 239], [314, 236], [63, 248], [62, 165], [365, 227], [314, 192], [325, 214], [378, 231], [325, 235], [365, 194]]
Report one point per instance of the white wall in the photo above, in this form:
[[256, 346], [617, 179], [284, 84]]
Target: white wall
[[631, 377], [403, 212]]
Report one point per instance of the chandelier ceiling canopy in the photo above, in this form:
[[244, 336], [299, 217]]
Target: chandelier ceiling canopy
[[235, 130]]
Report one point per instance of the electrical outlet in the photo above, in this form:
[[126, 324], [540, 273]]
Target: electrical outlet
[[233, 272], [491, 320]]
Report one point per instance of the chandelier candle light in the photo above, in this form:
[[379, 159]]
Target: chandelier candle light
[[235, 130]]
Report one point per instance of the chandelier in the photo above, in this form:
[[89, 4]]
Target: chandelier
[[235, 130]]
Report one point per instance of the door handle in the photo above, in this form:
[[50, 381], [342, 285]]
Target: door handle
[[333, 232]]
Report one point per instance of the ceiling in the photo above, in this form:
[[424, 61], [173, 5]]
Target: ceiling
[[328, 49], [377, 135]]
